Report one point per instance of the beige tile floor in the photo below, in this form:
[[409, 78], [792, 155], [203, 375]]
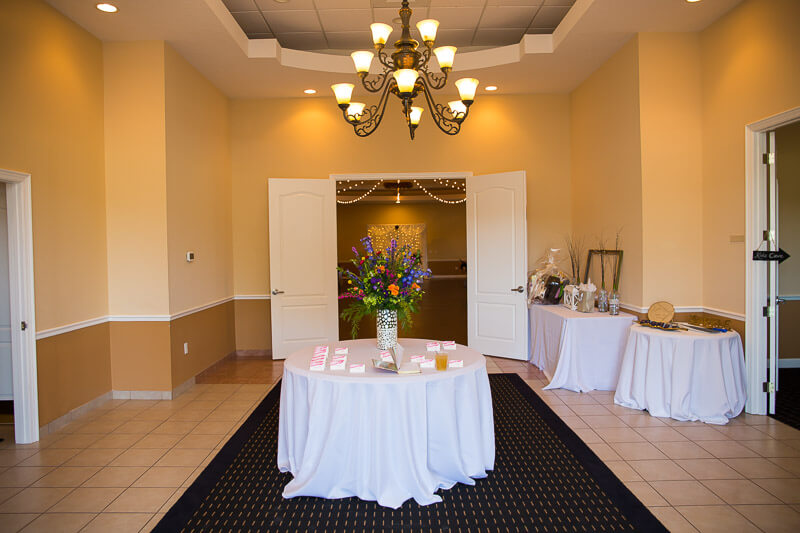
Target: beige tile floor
[[120, 467]]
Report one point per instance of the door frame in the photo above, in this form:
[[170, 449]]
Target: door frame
[[756, 335], [23, 305]]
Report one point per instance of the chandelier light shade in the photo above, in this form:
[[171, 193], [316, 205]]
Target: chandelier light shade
[[406, 75]]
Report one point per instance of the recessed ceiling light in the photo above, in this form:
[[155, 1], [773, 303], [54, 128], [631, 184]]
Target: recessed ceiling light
[[491, 87], [692, 1], [107, 8], [310, 91]]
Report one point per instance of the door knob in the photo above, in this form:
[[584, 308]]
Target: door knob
[[518, 289], [276, 291], [780, 300]]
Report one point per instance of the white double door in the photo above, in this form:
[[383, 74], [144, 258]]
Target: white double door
[[303, 282]]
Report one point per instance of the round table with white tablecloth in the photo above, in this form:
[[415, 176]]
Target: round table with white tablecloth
[[685, 375], [383, 436]]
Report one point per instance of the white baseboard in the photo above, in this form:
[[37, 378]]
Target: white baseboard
[[79, 411], [153, 394], [789, 362]]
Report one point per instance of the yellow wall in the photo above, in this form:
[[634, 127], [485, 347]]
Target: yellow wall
[[750, 61], [445, 225], [670, 103], [51, 126], [136, 192], [198, 185], [302, 138], [51, 118], [606, 164], [787, 154]]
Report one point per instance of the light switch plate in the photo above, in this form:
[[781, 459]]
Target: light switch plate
[[189, 257]]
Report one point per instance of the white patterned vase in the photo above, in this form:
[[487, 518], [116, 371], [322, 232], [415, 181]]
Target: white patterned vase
[[387, 328]]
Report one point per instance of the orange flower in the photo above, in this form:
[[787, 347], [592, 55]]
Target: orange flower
[[381, 268], [394, 289], [415, 286]]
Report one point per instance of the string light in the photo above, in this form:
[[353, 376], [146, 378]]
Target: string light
[[354, 200], [442, 200]]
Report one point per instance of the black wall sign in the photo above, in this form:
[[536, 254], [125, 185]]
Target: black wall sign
[[765, 255]]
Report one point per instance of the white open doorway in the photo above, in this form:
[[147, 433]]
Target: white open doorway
[[762, 296], [21, 301]]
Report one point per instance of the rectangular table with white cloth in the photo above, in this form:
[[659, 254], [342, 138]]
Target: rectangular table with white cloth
[[578, 351]]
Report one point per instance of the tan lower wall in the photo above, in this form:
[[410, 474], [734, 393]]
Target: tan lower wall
[[253, 325], [210, 334], [788, 332], [73, 368], [140, 357]]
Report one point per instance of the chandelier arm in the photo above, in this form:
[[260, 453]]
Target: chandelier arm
[[385, 59], [450, 126], [371, 118], [436, 81], [425, 57], [377, 83]]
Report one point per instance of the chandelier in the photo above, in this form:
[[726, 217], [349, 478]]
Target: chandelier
[[406, 75]]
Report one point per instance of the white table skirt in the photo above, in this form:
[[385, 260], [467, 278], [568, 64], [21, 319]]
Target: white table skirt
[[578, 351], [383, 436], [684, 375]]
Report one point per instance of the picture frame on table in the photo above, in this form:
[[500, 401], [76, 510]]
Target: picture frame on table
[[616, 267]]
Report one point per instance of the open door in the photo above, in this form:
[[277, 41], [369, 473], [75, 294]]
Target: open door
[[302, 262], [497, 255]]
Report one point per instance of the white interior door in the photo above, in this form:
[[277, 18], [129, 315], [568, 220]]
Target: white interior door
[[6, 369], [497, 313], [302, 262]]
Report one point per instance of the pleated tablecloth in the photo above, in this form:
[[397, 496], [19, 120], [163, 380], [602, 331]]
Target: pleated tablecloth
[[578, 351], [685, 375], [383, 436]]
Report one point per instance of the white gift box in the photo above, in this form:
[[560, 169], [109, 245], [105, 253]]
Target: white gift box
[[449, 345], [456, 363], [386, 356], [358, 368], [433, 346], [427, 363], [417, 358], [341, 351]]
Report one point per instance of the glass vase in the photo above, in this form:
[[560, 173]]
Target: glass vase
[[386, 321], [602, 301], [613, 303]]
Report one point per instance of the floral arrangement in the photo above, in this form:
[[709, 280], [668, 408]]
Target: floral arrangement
[[384, 279]]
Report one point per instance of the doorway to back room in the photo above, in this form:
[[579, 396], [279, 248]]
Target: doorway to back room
[[430, 215]]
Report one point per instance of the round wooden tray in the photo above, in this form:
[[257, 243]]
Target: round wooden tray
[[661, 312]]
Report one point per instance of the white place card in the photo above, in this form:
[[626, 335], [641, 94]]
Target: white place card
[[427, 363], [321, 350], [386, 356], [449, 345], [358, 368], [433, 346], [417, 358], [456, 363], [317, 367], [341, 351], [338, 363]]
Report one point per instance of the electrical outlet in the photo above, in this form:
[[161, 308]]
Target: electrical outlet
[[185, 348]]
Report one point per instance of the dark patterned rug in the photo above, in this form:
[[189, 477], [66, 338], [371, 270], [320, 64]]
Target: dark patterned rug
[[545, 479], [787, 401]]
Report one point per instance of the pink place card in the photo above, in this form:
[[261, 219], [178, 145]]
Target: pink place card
[[427, 363], [433, 346], [358, 368], [456, 363], [341, 351], [321, 350], [449, 345]]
